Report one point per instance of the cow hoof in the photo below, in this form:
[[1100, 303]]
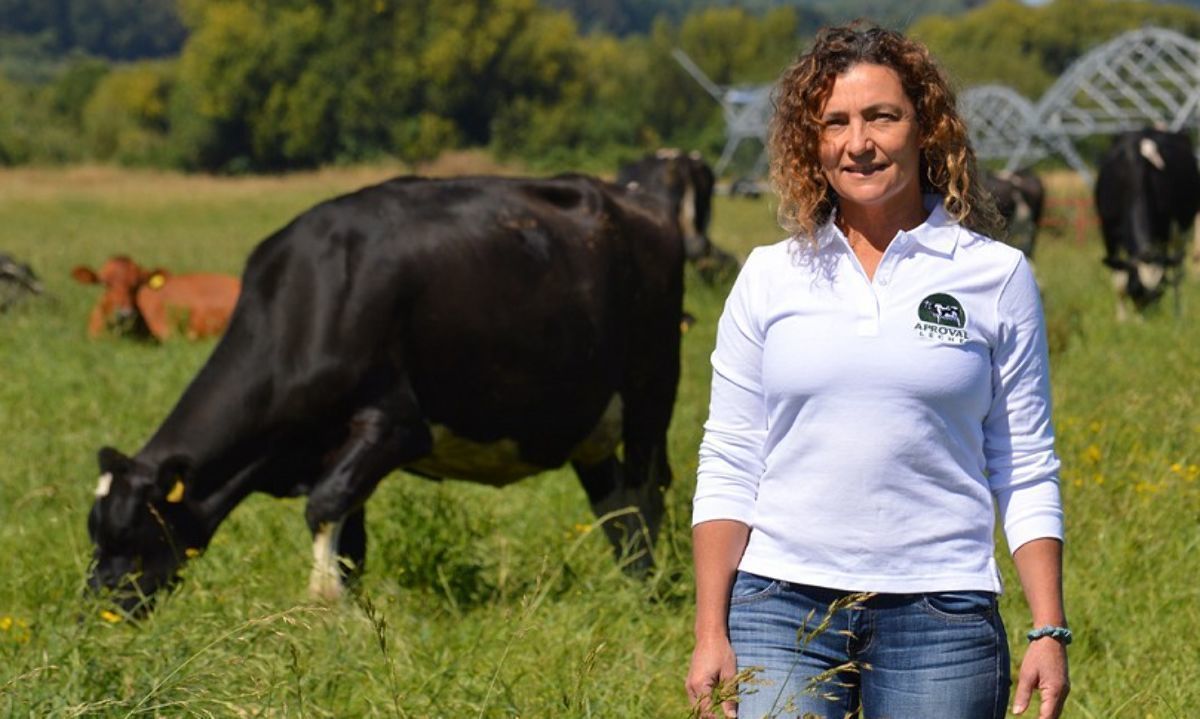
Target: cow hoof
[[325, 581], [325, 591]]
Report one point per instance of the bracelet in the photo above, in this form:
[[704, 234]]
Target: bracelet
[[1061, 634]]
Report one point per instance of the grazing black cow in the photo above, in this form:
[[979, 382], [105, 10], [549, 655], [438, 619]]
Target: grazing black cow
[[687, 183], [1020, 197], [17, 280], [481, 328], [1147, 196]]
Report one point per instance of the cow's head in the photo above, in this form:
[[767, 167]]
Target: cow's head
[[685, 182], [144, 525], [122, 277]]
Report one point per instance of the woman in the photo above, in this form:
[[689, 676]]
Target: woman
[[879, 381]]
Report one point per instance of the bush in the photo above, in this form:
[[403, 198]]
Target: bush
[[70, 91], [126, 118], [30, 132]]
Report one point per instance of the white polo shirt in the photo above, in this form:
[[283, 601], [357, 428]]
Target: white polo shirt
[[862, 428]]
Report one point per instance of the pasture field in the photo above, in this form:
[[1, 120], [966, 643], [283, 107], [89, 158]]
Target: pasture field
[[481, 602]]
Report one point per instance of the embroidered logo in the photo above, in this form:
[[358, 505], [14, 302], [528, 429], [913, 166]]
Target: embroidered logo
[[941, 317]]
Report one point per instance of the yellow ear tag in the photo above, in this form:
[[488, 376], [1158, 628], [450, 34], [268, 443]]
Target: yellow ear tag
[[156, 281], [176, 494], [191, 552], [111, 617]]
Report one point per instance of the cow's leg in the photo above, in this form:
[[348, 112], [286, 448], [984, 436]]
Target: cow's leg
[[1120, 283], [636, 515], [1195, 263], [641, 480], [648, 475], [339, 555], [378, 443]]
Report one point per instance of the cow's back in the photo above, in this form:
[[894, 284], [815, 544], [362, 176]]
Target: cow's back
[[502, 301]]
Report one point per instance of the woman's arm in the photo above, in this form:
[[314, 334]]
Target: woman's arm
[[730, 464], [717, 548], [1023, 471], [1039, 566]]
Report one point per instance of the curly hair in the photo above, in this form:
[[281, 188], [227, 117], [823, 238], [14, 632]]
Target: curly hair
[[948, 166]]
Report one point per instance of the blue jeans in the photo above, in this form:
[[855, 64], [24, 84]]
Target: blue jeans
[[891, 656]]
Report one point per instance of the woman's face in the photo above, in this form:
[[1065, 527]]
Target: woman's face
[[870, 144]]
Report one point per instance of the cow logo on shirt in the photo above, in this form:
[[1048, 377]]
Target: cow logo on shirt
[[941, 317]]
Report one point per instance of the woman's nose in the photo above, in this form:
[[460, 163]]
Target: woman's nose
[[860, 141]]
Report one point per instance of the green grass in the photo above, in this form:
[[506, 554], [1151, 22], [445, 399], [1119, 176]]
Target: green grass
[[481, 602]]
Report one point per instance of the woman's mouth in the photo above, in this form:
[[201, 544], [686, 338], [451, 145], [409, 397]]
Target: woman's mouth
[[865, 170]]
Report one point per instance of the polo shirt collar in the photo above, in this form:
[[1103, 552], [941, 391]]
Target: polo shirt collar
[[938, 233]]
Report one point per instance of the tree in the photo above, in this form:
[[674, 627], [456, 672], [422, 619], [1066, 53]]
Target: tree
[[126, 118], [114, 29], [281, 83]]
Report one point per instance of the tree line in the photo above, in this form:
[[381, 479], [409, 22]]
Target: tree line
[[270, 85]]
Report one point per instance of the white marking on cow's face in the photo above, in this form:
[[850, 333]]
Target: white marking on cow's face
[[1024, 213], [1148, 149], [604, 437], [104, 485], [495, 463], [687, 211], [325, 583], [1150, 275]]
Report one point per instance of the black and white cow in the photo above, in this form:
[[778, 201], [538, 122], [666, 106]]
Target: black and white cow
[[1020, 197], [483, 329], [1147, 196], [688, 183], [17, 280]]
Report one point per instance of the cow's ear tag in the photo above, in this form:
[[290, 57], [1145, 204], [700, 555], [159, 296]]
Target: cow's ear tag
[[175, 496], [156, 281]]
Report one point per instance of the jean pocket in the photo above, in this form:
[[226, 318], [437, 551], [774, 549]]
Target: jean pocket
[[960, 606], [749, 587]]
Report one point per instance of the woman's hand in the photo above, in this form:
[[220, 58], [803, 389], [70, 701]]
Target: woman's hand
[[712, 674], [1039, 565], [1044, 668]]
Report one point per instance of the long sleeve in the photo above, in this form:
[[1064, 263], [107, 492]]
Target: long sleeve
[[1021, 463], [731, 460]]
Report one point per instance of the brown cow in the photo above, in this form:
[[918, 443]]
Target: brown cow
[[157, 301]]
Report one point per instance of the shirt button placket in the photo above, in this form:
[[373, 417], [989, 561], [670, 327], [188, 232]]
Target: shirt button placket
[[868, 312]]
